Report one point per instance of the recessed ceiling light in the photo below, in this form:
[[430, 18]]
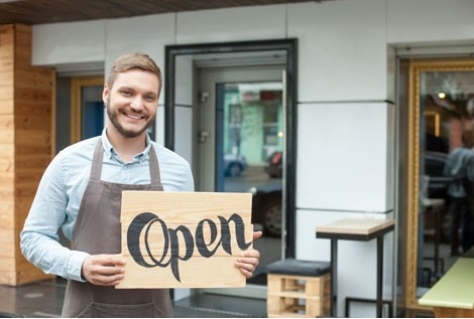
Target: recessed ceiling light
[[441, 95]]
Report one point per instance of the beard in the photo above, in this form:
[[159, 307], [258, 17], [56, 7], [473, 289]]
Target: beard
[[113, 117]]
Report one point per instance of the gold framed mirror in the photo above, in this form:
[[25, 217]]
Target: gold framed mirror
[[440, 108]]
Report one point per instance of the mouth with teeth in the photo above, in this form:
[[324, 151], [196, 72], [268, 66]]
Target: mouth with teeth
[[133, 116], [127, 122]]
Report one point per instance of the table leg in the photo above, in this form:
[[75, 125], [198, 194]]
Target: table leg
[[334, 278], [379, 275]]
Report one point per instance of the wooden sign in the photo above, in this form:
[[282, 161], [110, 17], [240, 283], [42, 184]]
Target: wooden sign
[[184, 239]]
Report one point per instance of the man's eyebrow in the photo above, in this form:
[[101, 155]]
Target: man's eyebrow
[[151, 92], [124, 87]]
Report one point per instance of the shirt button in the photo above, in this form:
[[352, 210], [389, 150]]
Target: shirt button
[[124, 167]]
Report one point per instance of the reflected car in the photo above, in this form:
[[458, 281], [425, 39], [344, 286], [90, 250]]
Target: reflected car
[[267, 207], [234, 165], [274, 165], [434, 166]]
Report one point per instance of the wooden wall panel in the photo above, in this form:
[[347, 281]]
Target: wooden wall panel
[[7, 41], [6, 149], [40, 79], [7, 258], [22, 207], [7, 121], [6, 217], [8, 277], [33, 104], [6, 136], [6, 78], [27, 273], [26, 102], [7, 158], [37, 122], [6, 106]]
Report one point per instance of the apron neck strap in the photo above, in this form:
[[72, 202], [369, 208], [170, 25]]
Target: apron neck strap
[[155, 176], [96, 168], [97, 161]]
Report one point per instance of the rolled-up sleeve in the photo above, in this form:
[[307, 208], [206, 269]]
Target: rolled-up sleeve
[[39, 239]]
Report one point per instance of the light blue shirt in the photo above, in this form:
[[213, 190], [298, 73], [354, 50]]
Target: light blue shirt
[[459, 166], [62, 187]]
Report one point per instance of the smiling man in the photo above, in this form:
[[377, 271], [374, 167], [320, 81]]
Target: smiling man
[[80, 193]]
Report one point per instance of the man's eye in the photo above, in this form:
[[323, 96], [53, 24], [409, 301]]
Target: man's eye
[[150, 98], [126, 93]]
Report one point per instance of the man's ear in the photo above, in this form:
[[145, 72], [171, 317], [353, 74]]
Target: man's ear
[[105, 93]]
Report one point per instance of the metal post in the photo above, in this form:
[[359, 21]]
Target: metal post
[[379, 275], [334, 278]]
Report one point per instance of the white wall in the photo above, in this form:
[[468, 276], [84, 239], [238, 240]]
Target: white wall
[[238, 24], [68, 43], [343, 147], [342, 48], [430, 21], [183, 126], [345, 78]]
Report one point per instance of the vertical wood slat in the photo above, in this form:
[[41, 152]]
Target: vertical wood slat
[[26, 97], [7, 156]]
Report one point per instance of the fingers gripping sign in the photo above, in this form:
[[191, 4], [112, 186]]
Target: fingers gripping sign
[[103, 270], [248, 261]]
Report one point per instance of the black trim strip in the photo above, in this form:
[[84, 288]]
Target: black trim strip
[[291, 48]]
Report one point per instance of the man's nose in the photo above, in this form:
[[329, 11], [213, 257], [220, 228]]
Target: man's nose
[[137, 103]]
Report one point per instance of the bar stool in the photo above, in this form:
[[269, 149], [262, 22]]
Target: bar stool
[[298, 288]]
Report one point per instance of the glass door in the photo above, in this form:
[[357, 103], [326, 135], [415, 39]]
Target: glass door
[[241, 148], [249, 157]]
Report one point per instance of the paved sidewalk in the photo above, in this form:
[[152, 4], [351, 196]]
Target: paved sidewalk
[[44, 300]]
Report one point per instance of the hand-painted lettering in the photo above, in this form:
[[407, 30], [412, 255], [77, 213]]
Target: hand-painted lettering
[[142, 223]]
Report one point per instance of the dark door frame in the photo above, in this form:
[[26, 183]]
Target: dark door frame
[[290, 46]]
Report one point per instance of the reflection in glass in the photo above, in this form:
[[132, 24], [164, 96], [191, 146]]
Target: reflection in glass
[[249, 157], [446, 111]]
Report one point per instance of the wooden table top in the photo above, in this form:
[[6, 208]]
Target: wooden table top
[[356, 226], [433, 202], [455, 289]]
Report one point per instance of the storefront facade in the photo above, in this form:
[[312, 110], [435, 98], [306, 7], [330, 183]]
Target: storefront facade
[[348, 118]]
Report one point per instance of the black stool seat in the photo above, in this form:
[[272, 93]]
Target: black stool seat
[[298, 267]]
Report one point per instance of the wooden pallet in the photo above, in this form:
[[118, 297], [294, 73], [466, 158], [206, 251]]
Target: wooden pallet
[[298, 296]]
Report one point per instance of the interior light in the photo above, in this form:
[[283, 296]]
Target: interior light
[[441, 95], [280, 134]]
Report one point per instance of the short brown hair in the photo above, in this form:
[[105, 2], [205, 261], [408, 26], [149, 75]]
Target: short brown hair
[[467, 137], [132, 61]]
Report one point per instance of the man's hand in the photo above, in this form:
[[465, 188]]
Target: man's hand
[[248, 261], [103, 270]]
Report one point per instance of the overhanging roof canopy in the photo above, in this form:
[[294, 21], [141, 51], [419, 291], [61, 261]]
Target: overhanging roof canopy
[[50, 11]]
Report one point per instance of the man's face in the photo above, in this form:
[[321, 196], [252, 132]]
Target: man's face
[[132, 102]]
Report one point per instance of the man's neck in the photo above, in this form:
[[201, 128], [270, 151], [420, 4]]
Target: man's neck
[[126, 147]]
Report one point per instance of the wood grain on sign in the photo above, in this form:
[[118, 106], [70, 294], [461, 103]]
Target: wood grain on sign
[[184, 239]]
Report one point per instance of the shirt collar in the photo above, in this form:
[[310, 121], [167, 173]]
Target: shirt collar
[[111, 152]]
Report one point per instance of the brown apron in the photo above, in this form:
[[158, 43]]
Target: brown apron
[[98, 231]]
